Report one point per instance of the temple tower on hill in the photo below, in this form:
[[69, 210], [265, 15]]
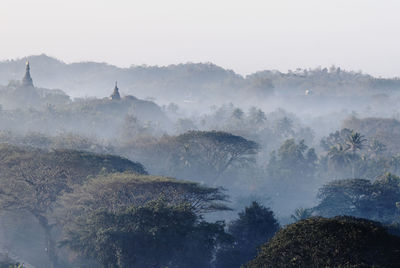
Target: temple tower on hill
[[115, 95], [27, 80]]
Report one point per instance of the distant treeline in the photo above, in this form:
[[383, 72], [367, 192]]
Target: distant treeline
[[192, 81]]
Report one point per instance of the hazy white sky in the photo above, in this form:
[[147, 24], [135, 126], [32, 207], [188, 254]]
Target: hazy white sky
[[245, 36]]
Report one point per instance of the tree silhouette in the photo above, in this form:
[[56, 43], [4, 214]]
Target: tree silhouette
[[355, 142]]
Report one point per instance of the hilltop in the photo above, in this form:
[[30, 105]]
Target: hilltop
[[193, 82]]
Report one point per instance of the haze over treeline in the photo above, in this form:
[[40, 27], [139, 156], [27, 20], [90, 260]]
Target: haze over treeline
[[192, 81], [147, 166]]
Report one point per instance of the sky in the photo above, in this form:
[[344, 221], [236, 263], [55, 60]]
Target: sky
[[245, 36]]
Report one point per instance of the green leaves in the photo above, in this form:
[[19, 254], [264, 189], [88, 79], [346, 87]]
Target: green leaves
[[293, 161], [355, 142], [336, 242], [255, 226], [201, 155], [361, 198], [118, 191], [153, 235]]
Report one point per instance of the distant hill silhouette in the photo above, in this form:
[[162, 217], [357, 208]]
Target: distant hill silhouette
[[97, 79], [191, 82]]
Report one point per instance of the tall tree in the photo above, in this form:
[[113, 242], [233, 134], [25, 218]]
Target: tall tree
[[255, 226], [344, 197], [33, 180], [202, 155], [153, 235], [117, 191], [376, 148], [337, 137], [355, 142], [339, 156], [361, 198], [293, 161]]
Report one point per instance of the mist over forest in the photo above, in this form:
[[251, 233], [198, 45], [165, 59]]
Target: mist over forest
[[193, 165]]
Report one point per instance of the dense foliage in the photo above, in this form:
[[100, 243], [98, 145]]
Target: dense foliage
[[316, 142], [199, 155], [255, 225], [336, 242], [118, 191], [360, 198], [32, 180], [172, 82], [153, 235]]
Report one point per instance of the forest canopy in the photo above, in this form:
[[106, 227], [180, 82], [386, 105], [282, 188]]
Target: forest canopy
[[335, 242], [193, 165]]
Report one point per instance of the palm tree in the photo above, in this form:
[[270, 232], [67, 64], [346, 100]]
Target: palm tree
[[355, 142], [339, 155], [376, 147]]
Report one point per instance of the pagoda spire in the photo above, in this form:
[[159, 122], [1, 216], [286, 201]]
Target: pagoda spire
[[115, 95], [27, 79]]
